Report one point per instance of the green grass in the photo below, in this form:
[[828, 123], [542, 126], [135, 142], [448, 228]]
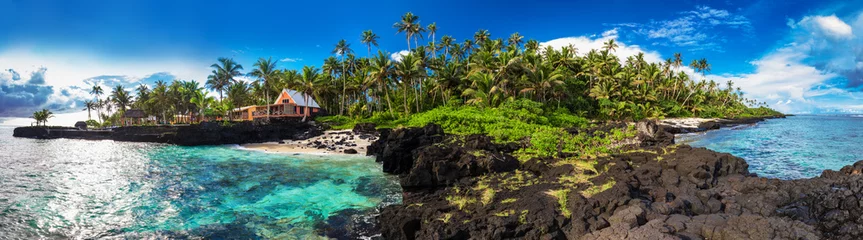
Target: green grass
[[593, 190], [561, 196]]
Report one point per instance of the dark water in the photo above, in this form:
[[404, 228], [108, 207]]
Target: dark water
[[78, 189], [791, 148]]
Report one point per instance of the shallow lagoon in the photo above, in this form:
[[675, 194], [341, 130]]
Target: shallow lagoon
[[92, 189], [791, 148]]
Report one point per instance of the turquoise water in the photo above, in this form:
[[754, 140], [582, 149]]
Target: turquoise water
[[791, 148], [104, 189]]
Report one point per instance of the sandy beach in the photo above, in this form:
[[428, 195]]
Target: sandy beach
[[685, 122], [331, 142]]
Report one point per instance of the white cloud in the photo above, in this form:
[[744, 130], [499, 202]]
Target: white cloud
[[829, 25], [397, 56], [59, 80], [584, 44], [693, 29], [780, 76], [291, 59], [70, 68]]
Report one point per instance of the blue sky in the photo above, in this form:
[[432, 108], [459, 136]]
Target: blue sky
[[799, 56]]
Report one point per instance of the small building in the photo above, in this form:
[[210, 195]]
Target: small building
[[289, 104], [134, 117]]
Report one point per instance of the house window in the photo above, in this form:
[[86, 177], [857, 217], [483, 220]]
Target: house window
[[284, 100], [302, 110]]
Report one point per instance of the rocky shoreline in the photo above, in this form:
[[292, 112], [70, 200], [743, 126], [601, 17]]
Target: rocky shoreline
[[207, 133], [471, 188], [693, 125]]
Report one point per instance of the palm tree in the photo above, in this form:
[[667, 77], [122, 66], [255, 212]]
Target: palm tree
[[695, 64], [446, 42], [432, 29], [610, 46], [223, 74], [515, 39], [89, 105], [42, 116], [409, 25], [531, 45], [308, 84], [481, 36], [342, 48], [201, 101], [121, 98], [483, 92], [369, 38], [407, 69], [97, 91], [381, 69], [704, 66], [265, 70]]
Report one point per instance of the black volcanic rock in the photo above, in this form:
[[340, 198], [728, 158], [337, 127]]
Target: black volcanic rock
[[652, 134], [350, 151], [398, 149], [365, 128], [207, 133], [658, 192]]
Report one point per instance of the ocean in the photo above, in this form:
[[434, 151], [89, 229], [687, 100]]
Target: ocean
[[791, 148], [84, 189]]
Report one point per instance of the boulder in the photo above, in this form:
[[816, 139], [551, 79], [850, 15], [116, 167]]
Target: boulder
[[652, 134], [398, 149], [350, 151], [365, 128]]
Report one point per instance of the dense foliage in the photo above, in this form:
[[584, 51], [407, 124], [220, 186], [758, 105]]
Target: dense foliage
[[446, 75]]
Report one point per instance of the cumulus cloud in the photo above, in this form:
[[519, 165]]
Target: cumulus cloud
[[397, 56], [830, 26], [584, 44], [14, 75], [694, 30], [819, 70], [61, 81], [38, 76]]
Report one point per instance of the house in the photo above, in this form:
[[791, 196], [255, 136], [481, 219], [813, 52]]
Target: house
[[134, 117], [289, 104]]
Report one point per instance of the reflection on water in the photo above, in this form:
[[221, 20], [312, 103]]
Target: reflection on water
[[95, 189], [792, 148]]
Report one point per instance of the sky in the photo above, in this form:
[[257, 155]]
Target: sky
[[798, 56]]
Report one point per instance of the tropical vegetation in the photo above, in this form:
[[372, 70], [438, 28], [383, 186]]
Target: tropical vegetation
[[441, 76]]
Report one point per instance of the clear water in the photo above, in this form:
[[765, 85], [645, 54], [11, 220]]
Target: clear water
[[103, 189], [791, 148]]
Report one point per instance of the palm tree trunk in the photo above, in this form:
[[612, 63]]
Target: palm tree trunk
[[418, 91], [389, 102], [405, 92]]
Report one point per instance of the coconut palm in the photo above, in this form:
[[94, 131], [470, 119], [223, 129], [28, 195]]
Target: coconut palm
[[481, 36], [432, 29], [309, 82], [369, 38], [409, 25], [121, 99], [343, 48], [201, 101], [381, 69], [97, 92], [89, 106], [42, 116], [265, 70], [223, 74], [515, 39]]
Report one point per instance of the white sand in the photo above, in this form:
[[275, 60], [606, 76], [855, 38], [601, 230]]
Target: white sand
[[685, 122], [304, 146]]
